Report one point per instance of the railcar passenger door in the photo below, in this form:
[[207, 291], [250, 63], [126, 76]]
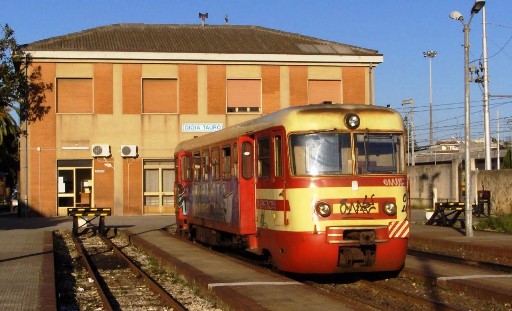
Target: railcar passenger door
[[270, 184], [183, 180], [246, 185]]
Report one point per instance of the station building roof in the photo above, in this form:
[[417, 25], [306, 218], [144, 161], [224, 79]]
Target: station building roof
[[172, 38]]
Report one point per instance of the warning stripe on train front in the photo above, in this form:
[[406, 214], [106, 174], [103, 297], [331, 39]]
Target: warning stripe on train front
[[398, 229]]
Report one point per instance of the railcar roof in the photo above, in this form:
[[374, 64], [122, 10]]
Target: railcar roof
[[305, 118]]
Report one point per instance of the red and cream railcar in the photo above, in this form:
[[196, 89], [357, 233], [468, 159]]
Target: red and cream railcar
[[318, 188]]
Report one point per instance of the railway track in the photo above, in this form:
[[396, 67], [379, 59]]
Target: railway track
[[383, 297], [492, 266], [121, 285]]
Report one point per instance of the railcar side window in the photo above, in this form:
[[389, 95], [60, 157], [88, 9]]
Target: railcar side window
[[247, 160], [226, 162], [197, 166], [379, 153], [235, 160], [215, 163], [186, 170], [278, 157], [263, 157], [205, 164], [321, 154]]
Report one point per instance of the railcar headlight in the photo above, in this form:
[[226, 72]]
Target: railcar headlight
[[352, 121], [390, 208], [323, 209]]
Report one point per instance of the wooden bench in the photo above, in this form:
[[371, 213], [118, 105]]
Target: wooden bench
[[79, 212]]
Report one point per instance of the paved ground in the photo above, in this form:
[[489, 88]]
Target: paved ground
[[25, 248]]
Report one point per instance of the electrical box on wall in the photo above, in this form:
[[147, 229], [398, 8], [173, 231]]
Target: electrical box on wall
[[100, 151], [129, 151]]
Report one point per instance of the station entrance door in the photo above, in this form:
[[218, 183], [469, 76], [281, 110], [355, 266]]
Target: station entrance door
[[74, 185]]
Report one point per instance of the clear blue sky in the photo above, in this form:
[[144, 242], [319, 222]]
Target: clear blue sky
[[399, 29]]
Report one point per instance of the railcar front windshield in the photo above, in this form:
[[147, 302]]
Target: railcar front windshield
[[331, 153]]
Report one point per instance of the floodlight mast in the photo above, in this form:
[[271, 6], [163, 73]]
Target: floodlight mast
[[477, 6]]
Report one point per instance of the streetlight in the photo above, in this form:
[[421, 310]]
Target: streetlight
[[430, 55], [487, 130], [479, 4], [411, 134]]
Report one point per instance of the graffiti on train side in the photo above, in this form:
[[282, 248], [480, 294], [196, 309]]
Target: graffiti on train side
[[215, 201]]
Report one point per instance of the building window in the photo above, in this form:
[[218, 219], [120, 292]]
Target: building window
[[324, 90], [244, 95], [159, 96], [158, 186], [74, 95]]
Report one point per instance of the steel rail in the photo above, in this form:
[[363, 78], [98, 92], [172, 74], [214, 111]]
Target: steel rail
[[93, 273], [418, 300], [166, 297], [429, 304]]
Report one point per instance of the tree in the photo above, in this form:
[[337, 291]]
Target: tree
[[22, 94], [507, 160], [21, 88]]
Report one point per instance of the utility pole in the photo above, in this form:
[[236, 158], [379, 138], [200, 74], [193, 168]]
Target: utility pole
[[487, 135], [498, 137], [411, 102]]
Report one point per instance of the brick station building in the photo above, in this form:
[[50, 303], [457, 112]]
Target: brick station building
[[124, 95]]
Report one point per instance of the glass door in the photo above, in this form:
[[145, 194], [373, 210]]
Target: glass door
[[74, 184]]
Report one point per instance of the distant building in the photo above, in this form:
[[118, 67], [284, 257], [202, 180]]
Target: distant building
[[124, 96]]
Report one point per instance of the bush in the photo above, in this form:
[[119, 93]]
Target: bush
[[498, 223]]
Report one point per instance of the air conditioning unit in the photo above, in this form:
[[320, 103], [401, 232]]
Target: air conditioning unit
[[100, 151], [129, 151]]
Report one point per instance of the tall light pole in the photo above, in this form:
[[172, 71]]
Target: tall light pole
[[430, 55], [487, 135], [479, 4], [411, 102]]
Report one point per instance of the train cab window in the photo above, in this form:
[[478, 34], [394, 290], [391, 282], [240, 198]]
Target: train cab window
[[264, 157], [321, 154], [278, 157], [186, 168], [215, 163], [247, 160], [205, 164], [235, 161], [197, 166], [226, 162], [379, 153]]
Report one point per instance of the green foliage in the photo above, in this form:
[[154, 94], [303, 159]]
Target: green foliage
[[507, 160], [21, 90], [500, 223], [22, 95]]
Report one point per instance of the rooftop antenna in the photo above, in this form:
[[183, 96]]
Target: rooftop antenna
[[203, 17], [226, 18]]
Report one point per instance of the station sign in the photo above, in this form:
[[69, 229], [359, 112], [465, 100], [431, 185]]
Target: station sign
[[201, 127]]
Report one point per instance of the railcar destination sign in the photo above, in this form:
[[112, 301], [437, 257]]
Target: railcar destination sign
[[201, 127]]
